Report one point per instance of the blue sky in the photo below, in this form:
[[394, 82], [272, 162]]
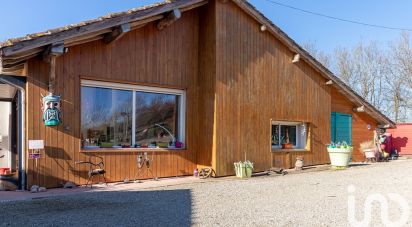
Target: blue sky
[[20, 17]]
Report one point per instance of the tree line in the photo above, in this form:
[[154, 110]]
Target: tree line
[[381, 74]]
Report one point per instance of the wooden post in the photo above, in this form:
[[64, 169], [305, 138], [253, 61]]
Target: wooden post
[[49, 56]]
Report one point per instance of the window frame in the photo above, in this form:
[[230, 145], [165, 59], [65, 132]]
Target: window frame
[[298, 138], [181, 127]]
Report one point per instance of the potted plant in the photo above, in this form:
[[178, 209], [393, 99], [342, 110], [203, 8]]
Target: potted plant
[[243, 169], [339, 154], [285, 141], [369, 150]]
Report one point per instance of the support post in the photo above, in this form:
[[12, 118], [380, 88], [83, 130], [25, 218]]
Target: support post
[[49, 56]]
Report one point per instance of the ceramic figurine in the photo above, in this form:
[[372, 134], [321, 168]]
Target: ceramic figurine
[[51, 110]]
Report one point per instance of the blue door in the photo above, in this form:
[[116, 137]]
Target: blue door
[[341, 128]]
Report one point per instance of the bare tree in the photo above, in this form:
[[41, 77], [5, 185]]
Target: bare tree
[[399, 78], [321, 56], [381, 74], [344, 66]]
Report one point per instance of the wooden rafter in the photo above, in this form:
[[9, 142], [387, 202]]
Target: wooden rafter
[[171, 17], [116, 33]]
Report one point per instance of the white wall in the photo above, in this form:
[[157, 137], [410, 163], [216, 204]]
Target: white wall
[[5, 113]]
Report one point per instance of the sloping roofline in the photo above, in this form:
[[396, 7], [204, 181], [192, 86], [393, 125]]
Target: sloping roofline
[[14, 52], [338, 83]]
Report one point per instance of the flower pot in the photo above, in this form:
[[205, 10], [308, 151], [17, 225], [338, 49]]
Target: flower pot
[[340, 157], [369, 153], [287, 146], [243, 169]]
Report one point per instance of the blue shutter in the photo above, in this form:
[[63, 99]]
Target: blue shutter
[[341, 128], [333, 127]]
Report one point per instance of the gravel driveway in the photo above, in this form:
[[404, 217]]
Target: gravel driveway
[[304, 199]]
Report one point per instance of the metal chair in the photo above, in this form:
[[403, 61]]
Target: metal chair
[[94, 169]]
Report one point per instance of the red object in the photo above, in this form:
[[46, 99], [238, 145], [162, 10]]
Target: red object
[[388, 142], [402, 138], [4, 170]]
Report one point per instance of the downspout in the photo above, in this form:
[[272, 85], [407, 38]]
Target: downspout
[[21, 138], [21, 122]]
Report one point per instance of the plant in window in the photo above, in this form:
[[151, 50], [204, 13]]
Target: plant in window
[[286, 141]]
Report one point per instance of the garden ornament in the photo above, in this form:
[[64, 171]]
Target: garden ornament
[[51, 109]]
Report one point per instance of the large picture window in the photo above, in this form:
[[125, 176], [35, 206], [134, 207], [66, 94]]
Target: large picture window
[[289, 135], [123, 116]]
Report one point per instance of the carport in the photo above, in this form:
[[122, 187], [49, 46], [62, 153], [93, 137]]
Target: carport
[[12, 115]]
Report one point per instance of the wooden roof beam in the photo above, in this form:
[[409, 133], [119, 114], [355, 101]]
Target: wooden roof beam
[[171, 17], [359, 109], [54, 50], [117, 33], [296, 58]]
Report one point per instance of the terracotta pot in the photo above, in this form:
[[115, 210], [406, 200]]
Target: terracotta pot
[[287, 146]]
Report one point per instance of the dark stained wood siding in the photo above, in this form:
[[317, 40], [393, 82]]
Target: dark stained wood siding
[[167, 58], [360, 121], [256, 82]]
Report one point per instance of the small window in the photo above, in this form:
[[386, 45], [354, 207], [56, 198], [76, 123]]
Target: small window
[[289, 135]]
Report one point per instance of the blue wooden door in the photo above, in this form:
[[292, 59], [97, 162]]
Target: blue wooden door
[[341, 127]]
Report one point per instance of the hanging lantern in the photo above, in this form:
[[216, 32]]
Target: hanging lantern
[[51, 110]]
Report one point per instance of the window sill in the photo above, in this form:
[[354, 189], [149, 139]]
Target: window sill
[[280, 150], [120, 150]]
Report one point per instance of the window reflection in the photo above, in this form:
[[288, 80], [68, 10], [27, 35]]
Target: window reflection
[[289, 134], [106, 117], [156, 119], [275, 135]]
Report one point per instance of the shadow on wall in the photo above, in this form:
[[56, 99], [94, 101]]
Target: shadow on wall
[[131, 208], [399, 143]]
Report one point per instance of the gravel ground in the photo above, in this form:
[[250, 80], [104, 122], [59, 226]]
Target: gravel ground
[[304, 199]]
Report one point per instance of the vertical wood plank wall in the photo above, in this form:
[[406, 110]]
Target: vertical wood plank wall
[[360, 121], [256, 82], [167, 58], [206, 152], [238, 79]]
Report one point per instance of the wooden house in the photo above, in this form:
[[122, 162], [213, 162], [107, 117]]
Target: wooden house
[[192, 82]]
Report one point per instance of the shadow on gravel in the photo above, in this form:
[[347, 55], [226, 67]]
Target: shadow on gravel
[[358, 164], [137, 208]]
